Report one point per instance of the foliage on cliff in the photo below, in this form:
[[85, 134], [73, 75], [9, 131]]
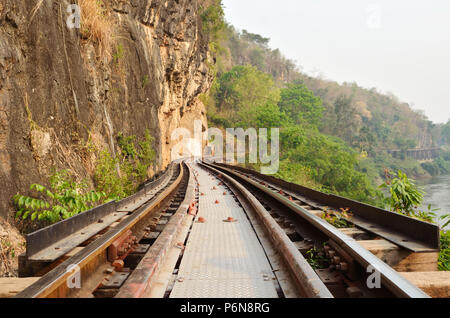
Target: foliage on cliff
[[116, 177], [119, 176]]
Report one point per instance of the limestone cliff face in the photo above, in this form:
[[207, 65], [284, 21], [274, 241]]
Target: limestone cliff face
[[58, 92]]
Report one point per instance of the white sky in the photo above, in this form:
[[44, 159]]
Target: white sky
[[398, 46]]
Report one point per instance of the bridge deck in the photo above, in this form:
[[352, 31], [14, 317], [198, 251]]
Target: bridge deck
[[223, 259]]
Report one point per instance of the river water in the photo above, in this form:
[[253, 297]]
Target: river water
[[437, 194]]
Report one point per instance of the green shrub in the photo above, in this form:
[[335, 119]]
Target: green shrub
[[108, 178], [338, 219], [120, 176], [444, 255], [405, 195], [65, 198], [317, 259]]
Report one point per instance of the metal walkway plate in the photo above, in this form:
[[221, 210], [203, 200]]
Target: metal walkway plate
[[223, 259]]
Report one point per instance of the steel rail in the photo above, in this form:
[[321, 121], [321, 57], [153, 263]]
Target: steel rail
[[142, 278], [306, 278], [57, 278], [49, 237], [412, 234], [393, 281]]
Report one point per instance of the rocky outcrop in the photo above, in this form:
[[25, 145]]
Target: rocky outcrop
[[59, 92]]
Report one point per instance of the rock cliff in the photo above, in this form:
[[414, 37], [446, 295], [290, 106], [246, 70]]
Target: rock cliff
[[132, 65]]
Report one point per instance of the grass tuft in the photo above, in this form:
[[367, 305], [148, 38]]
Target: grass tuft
[[96, 27]]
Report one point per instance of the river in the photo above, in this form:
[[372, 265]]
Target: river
[[437, 194]]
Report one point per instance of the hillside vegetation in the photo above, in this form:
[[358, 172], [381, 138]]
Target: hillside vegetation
[[334, 137]]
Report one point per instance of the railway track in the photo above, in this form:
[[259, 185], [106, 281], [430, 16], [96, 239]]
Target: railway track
[[106, 258], [347, 261], [126, 249]]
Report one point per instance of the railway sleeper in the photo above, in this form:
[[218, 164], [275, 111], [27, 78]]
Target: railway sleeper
[[401, 259]]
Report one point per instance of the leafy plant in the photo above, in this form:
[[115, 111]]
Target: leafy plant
[[338, 219], [429, 215], [405, 195], [446, 219], [119, 176], [108, 178], [127, 146], [444, 255], [64, 199], [317, 259]]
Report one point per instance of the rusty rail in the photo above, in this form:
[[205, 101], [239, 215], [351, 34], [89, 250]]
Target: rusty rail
[[54, 283], [390, 279], [306, 279], [409, 233]]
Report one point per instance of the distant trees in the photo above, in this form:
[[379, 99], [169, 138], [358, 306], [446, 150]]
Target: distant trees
[[245, 48], [255, 38], [446, 133], [247, 97], [345, 126], [336, 136], [239, 92], [299, 103], [365, 118], [213, 20]]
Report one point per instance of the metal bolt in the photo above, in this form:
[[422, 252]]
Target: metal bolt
[[118, 264]]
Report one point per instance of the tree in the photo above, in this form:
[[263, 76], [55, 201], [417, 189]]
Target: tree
[[213, 20], [255, 38], [270, 116], [301, 104], [446, 133], [365, 141], [242, 90], [345, 126]]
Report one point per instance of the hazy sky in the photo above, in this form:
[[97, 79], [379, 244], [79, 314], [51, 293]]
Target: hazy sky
[[398, 46]]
